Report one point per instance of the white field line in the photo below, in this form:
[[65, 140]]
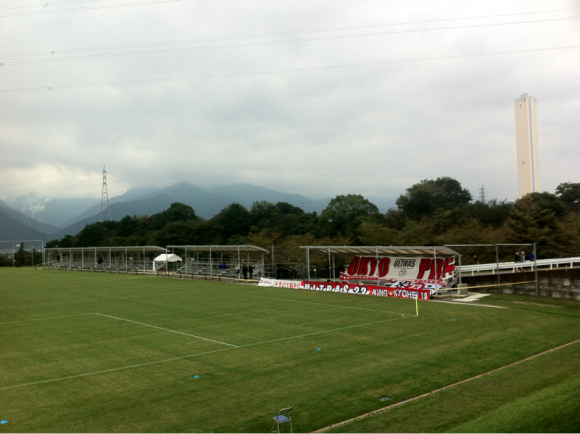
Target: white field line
[[188, 356], [272, 298], [388, 407], [463, 303], [167, 330], [45, 319], [113, 370], [325, 331]]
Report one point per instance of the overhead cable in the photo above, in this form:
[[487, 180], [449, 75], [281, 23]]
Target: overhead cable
[[278, 71], [255, 44]]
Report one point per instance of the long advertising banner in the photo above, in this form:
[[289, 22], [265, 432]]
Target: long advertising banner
[[378, 291], [393, 268], [276, 283]]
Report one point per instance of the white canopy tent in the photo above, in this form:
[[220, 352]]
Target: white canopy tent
[[165, 258]]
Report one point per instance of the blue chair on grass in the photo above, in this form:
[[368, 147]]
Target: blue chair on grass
[[282, 418]]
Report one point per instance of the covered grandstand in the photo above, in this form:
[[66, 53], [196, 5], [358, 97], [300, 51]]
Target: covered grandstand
[[220, 261], [120, 259], [440, 259]]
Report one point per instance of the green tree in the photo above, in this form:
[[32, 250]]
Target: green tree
[[531, 222], [22, 258], [344, 214], [569, 194], [234, 219], [428, 196]]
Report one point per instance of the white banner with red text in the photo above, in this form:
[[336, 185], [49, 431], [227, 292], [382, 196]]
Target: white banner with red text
[[378, 291], [392, 269], [280, 283]]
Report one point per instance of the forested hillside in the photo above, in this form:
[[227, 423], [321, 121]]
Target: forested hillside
[[431, 212]]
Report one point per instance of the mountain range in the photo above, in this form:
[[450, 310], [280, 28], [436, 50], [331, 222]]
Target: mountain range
[[35, 217]]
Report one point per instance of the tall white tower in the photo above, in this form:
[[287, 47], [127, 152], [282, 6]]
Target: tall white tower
[[527, 145]]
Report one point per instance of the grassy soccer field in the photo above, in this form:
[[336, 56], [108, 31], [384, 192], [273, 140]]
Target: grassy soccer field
[[92, 352]]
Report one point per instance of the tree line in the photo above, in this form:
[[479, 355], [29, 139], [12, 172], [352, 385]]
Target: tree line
[[431, 212]]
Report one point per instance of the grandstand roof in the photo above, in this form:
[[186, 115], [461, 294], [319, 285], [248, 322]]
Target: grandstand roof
[[112, 249], [236, 248], [386, 250]]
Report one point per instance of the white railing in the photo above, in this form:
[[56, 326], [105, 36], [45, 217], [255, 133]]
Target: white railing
[[526, 266]]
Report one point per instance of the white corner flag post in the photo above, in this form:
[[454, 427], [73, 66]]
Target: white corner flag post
[[417, 302]]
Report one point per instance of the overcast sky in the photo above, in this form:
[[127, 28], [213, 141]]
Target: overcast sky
[[312, 97]]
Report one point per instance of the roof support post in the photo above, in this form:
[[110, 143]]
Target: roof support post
[[166, 267], [536, 271], [308, 260], [329, 276], [69, 258], [185, 261], [333, 268], [126, 262], [210, 263], [497, 264], [82, 259], [110, 263], [435, 255], [377, 266]]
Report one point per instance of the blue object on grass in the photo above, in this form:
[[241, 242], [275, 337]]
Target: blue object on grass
[[452, 320], [4, 421], [317, 349], [197, 376]]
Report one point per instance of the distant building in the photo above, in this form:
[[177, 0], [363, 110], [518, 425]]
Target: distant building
[[527, 145]]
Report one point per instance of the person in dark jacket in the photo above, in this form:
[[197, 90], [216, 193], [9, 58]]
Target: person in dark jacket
[[245, 271], [251, 270]]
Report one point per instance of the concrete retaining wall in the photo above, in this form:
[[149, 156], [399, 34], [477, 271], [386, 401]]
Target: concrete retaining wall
[[560, 283]]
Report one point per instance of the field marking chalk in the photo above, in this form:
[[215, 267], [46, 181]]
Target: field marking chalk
[[469, 304], [178, 358], [113, 370], [44, 319], [388, 407], [167, 330], [321, 332]]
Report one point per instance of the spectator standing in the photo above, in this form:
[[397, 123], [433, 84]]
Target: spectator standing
[[516, 260], [245, 271], [251, 271], [532, 257]]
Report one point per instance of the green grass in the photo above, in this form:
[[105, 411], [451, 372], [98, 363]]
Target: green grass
[[129, 377], [540, 395]]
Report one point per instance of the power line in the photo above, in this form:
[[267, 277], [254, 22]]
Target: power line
[[119, 5], [263, 43], [45, 5], [189, 41], [292, 32], [279, 71]]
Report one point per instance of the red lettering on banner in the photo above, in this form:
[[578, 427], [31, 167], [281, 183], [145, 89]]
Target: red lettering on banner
[[438, 266], [384, 267], [373, 263], [424, 266], [422, 294], [353, 267], [363, 270], [449, 266]]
